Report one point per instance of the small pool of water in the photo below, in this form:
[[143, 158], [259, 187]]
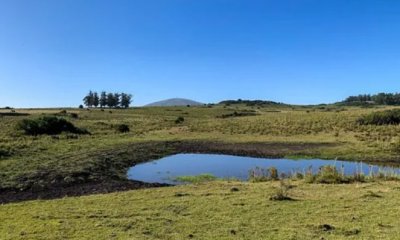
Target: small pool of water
[[165, 170]]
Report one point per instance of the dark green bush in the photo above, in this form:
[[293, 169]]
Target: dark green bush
[[388, 117], [74, 115], [48, 125], [5, 152], [122, 128], [179, 120]]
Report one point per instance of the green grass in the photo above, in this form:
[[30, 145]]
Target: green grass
[[67, 155], [201, 211], [213, 211]]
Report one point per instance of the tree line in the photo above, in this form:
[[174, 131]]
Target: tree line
[[379, 99], [104, 99], [250, 102]]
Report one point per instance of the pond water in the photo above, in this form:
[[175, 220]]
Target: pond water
[[165, 170]]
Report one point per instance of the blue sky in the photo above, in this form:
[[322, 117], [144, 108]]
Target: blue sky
[[294, 51]]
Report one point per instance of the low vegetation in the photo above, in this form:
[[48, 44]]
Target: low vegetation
[[263, 174], [282, 192], [179, 120], [328, 174], [122, 128], [196, 179], [48, 125], [239, 114], [250, 102], [388, 117]]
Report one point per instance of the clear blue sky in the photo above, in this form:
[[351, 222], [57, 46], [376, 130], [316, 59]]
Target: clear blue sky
[[297, 51]]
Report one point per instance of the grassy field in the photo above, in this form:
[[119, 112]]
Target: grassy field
[[30, 164], [67, 154], [213, 211]]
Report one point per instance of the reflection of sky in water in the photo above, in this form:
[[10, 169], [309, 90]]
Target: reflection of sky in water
[[225, 166]]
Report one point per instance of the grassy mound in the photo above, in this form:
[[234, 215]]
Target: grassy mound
[[48, 125]]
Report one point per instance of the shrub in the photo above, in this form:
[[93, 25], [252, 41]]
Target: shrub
[[81, 106], [263, 174], [329, 174], [238, 114], [179, 120], [388, 117], [273, 173], [282, 193], [48, 125], [122, 128]]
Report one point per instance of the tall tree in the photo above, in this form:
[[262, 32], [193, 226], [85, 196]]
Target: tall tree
[[117, 99], [96, 99], [88, 100], [126, 100], [103, 99], [110, 100]]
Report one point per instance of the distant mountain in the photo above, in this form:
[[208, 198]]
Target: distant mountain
[[174, 102]]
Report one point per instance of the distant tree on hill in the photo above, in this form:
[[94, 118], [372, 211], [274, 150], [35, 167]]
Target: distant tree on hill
[[379, 99], [117, 99], [250, 102], [88, 100], [95, 99], [126, 100], [103, 99], [111, 100]]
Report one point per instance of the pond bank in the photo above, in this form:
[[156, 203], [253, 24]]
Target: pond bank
[[107, 169]]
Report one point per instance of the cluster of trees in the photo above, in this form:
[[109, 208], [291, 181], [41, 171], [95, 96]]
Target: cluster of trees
[[104, 99], [380, 99]]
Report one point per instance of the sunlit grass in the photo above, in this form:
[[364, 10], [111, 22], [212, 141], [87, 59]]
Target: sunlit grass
[[213, 211]]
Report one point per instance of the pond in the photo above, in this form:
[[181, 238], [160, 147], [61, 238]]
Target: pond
[[167, 169]]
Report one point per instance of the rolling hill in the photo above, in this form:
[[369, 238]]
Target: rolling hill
[[174, 102]]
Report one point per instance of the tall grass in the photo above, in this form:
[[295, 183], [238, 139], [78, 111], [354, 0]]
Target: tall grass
[[328, 174]]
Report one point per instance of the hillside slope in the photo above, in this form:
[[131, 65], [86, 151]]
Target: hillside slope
[[174, 102]]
